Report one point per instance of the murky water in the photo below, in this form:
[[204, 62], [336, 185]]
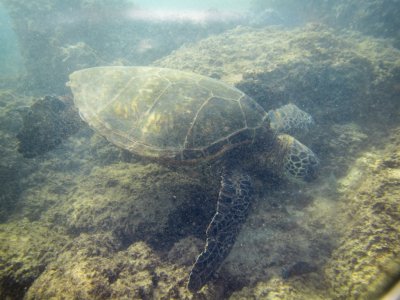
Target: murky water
[[116, 179]]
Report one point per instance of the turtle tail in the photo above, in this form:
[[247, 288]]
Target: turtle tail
[[232, 208]]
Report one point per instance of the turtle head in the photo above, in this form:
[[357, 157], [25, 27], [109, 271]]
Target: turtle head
[[299, 163]]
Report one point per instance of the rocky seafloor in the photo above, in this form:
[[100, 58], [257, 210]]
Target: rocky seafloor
[[90, 221]]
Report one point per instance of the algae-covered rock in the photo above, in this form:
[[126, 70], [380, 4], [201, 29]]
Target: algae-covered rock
[[280, 289], [337, 77], [362, 259], [96, 267], [25, 250], [13, 168], [81, 271], [368, 257], [133, 200], [287, 229], [46, 124], [375, 17], [184, 251], [136, 201]]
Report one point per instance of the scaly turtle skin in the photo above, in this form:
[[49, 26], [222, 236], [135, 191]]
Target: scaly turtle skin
[[178, 116]]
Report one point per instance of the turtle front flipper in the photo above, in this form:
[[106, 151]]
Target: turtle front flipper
[[232, 209]]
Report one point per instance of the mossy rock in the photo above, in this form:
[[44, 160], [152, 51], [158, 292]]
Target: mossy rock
[[309, 66], [46, 124], [137, 202], [368, 258], [97, 267], [278, 288], [25, 250]]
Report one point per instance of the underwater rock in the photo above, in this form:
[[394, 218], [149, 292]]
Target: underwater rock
[[297, 269], [135, 201], [13, 166], [278, 288], [96, 267], [335, 76], [82, 187], [25, 250], [365, 260], [373, 17], [10, 105], [348, 134], [368, 257], [286, 226], [46, 124], [185, 251], [341, 143]]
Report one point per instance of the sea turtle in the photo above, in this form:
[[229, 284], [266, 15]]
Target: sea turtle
[[171, 115]]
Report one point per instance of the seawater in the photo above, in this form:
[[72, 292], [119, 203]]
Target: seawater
[[84, 215]]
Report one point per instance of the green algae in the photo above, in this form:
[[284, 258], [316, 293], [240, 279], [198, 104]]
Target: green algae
[[12, 167], [131, 199], [95, 267], [46, 123], [25, 250], [279, 289], [368, 258]]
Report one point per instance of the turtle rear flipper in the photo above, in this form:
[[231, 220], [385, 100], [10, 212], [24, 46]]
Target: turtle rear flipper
[[232, 208]]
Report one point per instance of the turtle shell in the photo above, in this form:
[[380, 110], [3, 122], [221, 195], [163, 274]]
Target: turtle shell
[[165, 113]]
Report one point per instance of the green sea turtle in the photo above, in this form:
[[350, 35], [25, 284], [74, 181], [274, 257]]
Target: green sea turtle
[[170, 115]]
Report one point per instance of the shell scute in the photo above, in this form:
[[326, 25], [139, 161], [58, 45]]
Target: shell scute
[[165, 113]]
